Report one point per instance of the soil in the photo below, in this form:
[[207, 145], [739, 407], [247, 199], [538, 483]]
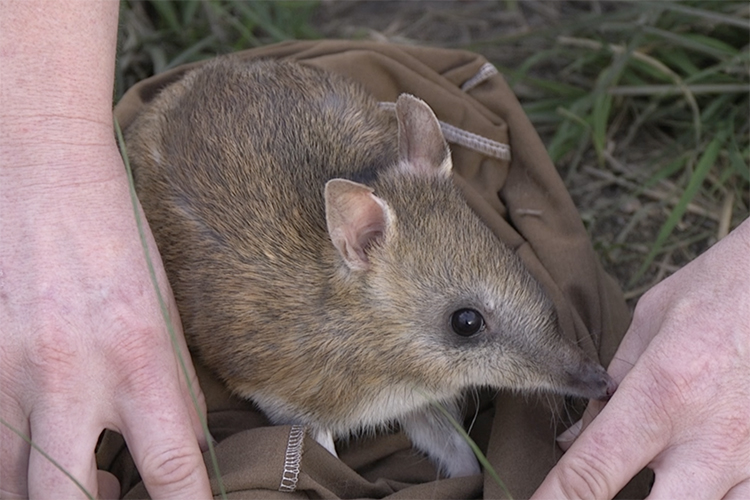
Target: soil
[[622, 225], [622, 215]]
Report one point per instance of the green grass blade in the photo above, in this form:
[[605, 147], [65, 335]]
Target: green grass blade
[[576, 119], [704, 14], [723, 71], [166, 11], [603, 106], [668, 170], [600, 121], [192, 53], [666, 90], [245, 29], [477, 452], [679, 58], [735, 157], [716, 110], [189, 11], [521, 72], [703, 166], [706, 45], [259, 14]]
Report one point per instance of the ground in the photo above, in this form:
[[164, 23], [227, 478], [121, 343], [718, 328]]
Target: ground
[[657, 175], [623, 222]]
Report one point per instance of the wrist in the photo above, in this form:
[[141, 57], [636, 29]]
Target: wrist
[[60, 152], [57, 64]]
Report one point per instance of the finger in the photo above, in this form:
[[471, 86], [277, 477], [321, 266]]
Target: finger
[[195, 406], [616, 446], [566, 439], [193, 397], [194, 400], [160, 434], [739, 492], [170, 465], [631, 348], [14, 451], [634, 343], [65, 467]]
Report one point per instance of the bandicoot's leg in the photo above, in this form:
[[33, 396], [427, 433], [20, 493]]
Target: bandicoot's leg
[[325, 438], [431, 432]]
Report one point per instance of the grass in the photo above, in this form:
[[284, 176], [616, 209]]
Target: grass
[[484, 462], [158, 35], [651, 98], [630, 97]]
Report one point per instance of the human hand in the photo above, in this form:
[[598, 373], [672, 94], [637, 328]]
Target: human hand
[[683, 405], [84, 344]]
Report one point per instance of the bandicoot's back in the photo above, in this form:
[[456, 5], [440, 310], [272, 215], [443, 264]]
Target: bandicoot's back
[[325, 265]]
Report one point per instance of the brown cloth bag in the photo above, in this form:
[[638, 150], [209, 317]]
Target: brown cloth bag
[[508, 179]]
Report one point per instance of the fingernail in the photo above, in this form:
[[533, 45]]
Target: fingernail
[[571, 433]]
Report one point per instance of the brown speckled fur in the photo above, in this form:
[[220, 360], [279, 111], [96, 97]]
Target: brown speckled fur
[[231, 164]]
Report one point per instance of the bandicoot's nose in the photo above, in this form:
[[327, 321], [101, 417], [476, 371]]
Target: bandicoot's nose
[[611, 388], [591, 381]]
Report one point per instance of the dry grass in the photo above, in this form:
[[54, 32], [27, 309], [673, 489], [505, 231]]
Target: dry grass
[[643, 106]]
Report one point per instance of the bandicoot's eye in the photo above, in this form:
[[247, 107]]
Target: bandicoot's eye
[[467, 322]]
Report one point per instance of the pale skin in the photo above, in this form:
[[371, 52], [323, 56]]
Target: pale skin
[[84, 344], [683, 405]]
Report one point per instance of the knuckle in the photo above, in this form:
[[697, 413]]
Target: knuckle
[[176, 468], [145, 360], [731, 439], [137, 342], [53, 357], [672, 383], [52, 345], [139, 336], [585, 478]]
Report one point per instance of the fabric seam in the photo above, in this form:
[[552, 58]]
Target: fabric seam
[[292, 459]]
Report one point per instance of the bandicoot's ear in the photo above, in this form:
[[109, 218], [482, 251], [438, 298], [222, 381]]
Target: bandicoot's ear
[[421, 146], [356, 219]]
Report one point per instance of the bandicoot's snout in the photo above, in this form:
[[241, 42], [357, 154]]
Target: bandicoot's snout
[[591, 381]]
